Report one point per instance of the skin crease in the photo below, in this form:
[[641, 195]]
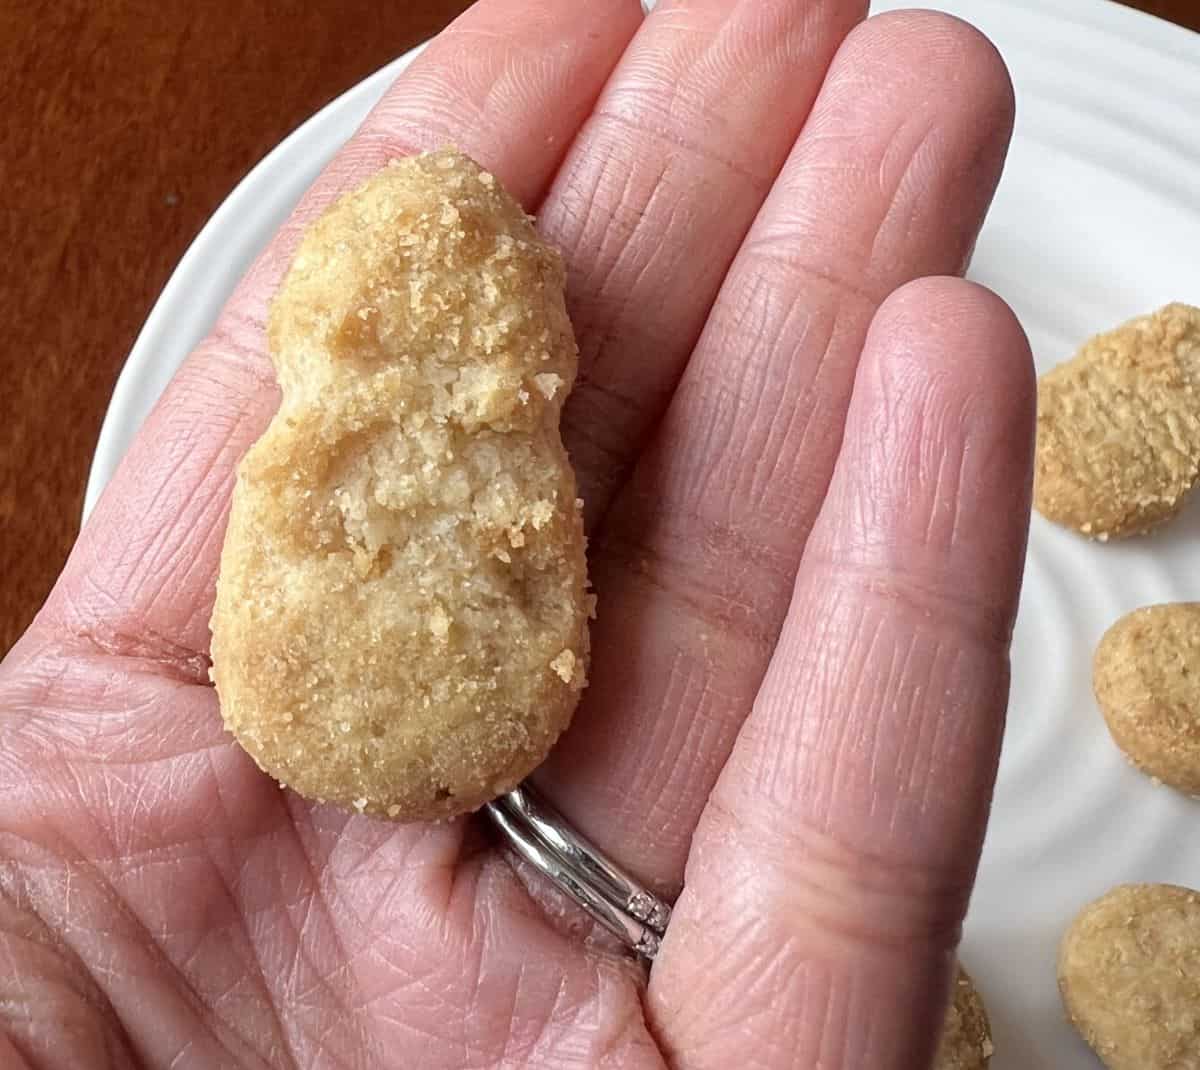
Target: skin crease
[[808, 723]]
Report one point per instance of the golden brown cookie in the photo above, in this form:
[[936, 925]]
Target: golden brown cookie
[[966, 1042], [1147, 681], [1129, 974], [401, 615], [1118, 446]]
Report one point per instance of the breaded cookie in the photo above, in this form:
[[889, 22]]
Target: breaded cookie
[[1118, 447], [401, 615], [1147, 680], [966, 1035], [1129, 974]]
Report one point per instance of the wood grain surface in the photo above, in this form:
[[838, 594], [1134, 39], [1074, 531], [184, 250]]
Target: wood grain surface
[[123, 125]]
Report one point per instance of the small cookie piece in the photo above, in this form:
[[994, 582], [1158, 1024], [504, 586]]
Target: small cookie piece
[[966, 1042], [1118, 438], [401, 615], [1129, 975], [1146, 676]]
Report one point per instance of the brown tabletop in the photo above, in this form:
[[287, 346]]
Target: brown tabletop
[[116, 144]]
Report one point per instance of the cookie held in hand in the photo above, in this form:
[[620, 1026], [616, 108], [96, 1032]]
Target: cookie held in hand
[[401, 615]]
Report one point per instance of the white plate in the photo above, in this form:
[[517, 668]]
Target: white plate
[[1097, 220]]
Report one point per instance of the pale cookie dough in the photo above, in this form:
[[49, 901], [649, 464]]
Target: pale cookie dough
[[1118, 447], [966, 1042], [1147, 681], [1129, 974], [401, 615]]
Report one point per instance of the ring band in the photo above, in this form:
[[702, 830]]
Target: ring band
[[542, 836]]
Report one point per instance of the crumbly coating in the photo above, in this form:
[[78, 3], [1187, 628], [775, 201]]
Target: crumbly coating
[[966, 1042], [401, 614], [1147, 681], [1129, 974], [1118, 447]]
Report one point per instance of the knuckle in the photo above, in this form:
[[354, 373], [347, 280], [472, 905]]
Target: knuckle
[[716, 572], [931, 603], [812, 885]]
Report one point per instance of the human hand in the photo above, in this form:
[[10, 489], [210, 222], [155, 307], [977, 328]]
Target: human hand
[[807, 484]]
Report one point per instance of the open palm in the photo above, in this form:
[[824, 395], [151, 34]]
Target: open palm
[[806, 481]]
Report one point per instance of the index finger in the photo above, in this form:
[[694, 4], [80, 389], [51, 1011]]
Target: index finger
[[509, 84]]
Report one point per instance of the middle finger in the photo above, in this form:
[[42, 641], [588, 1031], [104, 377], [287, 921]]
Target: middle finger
[[695, 563], [656, 195]]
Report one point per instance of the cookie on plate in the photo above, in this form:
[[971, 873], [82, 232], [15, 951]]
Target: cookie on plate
[[1118, 439]]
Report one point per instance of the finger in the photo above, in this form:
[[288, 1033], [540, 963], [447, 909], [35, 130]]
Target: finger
[[832, 867], [657, 193], [694, 567], [508, 84]]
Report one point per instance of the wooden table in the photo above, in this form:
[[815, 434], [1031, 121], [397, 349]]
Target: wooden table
[[123, 125]]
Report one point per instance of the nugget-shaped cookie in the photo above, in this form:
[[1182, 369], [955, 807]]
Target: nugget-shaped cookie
[[401, 615], [966, 1042], [1129, 974], [1147, 681], [1118, 445]]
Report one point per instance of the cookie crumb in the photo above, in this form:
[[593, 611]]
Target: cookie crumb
[[564, 665]]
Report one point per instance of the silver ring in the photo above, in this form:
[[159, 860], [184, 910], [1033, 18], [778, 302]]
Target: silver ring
[[541, 836]]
